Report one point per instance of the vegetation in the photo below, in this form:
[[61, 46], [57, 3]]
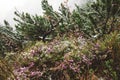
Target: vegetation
[[80, 45]]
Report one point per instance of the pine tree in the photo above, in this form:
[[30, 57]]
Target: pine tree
[[99, 17], [39, 27]]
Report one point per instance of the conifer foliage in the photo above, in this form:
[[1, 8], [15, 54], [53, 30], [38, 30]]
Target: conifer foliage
[[99, 17]]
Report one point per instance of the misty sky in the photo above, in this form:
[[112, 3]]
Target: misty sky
[[7, 7]]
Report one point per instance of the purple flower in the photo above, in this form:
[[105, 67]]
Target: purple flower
[[31, 64], [97, 45], [63, 66], [71, 61], [86, 60], [32, 52], [49, 50], [23, 69], [36, 73], [39, 49]]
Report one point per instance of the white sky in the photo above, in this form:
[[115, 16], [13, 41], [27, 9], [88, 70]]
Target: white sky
[[7, 7]]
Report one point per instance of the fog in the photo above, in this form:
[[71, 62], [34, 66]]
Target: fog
[[7, 7]]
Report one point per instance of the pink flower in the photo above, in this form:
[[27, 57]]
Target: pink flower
[[31, 64], [36, 73], [70, 61], [63, 66], [86, 60]]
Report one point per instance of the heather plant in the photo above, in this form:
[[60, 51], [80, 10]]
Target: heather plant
[[105, 56], [41, 62], [67, 59]]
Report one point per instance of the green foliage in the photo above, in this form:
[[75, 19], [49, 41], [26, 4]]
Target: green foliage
[[64, 17], [31, 27], [98, 18], [9, 41], [66, 59], [104, 54]]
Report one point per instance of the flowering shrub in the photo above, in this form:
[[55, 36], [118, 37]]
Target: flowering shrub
[[67, 59], [72, 54]]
